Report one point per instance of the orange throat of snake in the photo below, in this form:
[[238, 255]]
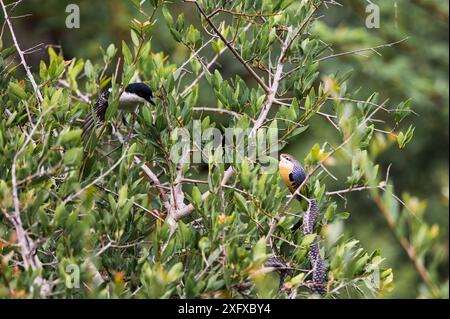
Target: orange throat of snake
[[285, 168]]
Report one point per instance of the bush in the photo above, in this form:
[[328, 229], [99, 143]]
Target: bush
[[124, 217]]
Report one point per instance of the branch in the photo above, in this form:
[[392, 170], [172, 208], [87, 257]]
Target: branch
[[302, 27], [202, 74], [27, 245], [231, 48], [216, 110], [178, 195], [186, 211], [82, 97], [134, 203], [271, 97], [193, 55], [208, 66], [22, 56], [154, 179], [373, 49], [147, 171], [408, 247], [240, 14]]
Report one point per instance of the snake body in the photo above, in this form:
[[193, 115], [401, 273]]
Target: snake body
[[294, 175]]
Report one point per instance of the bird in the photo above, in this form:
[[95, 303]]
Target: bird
[[134, 95], [294, 175]]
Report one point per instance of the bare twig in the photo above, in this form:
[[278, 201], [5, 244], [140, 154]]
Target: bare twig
[[407, 246], [177, 198], [271, 96], [83, 97], [27, 245], [153, 178], [134, 203], [193, 56], [242, 14], [373, 49], [22, 56], [357, 51], [231, 48], [41, 172], [186, 211], [301, 29], [278, 77], [209, 66], [216, 110], [202, 74]]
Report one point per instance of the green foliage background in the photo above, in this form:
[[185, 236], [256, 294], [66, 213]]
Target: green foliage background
[[416, 68]]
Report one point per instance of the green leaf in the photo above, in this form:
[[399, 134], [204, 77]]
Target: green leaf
[[259, 251], [204, 244], [196, 196], [16, 90], [245, 173], [135, 38], [70, 137], [241, 202], [307, 240], [73, 156], [297, 279], [123, 195], [126, 53], [404, 138], [403, 110], [175, 272], [167, 16], [89, 70], [111, 51]]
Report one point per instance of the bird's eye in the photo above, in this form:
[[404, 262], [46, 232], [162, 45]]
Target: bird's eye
[[286, 158]]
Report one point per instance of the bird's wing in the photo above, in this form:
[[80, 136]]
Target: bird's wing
[[96, 116]]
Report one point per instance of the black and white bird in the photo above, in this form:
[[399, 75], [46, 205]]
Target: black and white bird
[[134, 95]]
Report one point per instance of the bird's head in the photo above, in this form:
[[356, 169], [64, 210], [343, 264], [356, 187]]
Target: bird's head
[[287, 161], [137, 93]]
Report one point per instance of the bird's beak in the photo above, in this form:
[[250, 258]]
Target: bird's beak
[[151, 100]]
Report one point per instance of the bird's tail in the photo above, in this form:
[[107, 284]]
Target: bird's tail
[[89, 124], [95, 117]]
